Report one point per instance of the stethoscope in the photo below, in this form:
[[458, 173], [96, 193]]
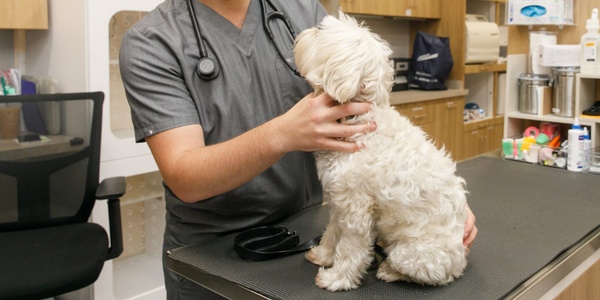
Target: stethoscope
[[208, 68]]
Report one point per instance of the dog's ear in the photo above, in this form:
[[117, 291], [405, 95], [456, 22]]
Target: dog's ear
[[342, 79], [304, 53]]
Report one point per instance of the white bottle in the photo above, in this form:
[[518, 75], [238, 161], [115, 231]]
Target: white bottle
[[587, 146], [587, 143], [575, 148], [590, 46]]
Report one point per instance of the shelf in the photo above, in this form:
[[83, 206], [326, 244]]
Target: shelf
[[484, 68], [590, 119], [589, 76], [482, 123], [543, 118]]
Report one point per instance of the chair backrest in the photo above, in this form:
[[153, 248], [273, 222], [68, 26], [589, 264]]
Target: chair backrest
[[49, 171]]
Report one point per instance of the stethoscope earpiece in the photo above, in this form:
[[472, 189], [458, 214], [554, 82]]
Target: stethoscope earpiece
[[207, 68]]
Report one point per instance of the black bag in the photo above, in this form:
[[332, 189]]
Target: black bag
[[431, 62]]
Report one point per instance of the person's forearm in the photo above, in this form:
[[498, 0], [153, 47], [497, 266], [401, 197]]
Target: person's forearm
[[204, 172]]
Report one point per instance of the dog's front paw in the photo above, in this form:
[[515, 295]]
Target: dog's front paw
[[319, 256], [333, 281]]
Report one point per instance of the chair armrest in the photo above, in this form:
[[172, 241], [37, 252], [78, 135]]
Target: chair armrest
[[111, 188]]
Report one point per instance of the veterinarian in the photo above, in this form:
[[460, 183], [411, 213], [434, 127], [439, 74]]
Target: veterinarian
[[229, 123]]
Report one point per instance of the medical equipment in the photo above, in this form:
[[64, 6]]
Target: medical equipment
[[482, 40], [208, 68]]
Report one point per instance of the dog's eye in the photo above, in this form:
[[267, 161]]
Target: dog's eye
[[319, 27]]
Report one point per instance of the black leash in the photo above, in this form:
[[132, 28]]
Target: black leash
[[268, 242]]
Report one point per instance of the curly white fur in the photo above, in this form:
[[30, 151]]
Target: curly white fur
[[400, 190]]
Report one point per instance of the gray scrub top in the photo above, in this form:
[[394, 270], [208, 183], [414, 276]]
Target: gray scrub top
[[158, 59]]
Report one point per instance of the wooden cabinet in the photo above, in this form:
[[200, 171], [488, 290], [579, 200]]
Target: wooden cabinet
[[420, 114], [481, 136], [585, 286], [423, 9], [448, 125], [440, 119], [24, 14]]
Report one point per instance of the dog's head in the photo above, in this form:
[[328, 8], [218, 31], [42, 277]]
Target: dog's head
[[345, 60]]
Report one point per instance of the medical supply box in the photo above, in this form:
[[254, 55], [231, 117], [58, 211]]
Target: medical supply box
[[537, 12]]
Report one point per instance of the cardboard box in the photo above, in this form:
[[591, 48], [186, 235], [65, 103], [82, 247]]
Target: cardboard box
[[539, 12]]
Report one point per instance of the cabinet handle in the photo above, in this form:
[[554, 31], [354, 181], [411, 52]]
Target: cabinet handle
[[451, 104], [418, 117]]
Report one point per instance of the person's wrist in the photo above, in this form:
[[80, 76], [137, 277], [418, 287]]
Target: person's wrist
[[275, 136]]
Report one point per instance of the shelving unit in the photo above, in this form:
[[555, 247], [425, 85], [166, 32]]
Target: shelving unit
[[586, 86], [484, 68], [482, 81]]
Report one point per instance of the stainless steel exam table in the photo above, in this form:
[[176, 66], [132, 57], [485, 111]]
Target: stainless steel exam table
[[535, 223]]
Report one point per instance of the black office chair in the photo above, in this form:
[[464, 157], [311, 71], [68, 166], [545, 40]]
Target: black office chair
[[48, 187]]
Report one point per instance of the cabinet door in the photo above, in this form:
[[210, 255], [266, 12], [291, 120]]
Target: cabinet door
[[24, 14], [429, 9], [471, 143], [448, 125], [481, 137]]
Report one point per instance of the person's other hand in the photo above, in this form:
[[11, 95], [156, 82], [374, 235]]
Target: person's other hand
[[470, 229]]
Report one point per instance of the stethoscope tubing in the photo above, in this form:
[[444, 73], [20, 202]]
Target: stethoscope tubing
[[267, 16]]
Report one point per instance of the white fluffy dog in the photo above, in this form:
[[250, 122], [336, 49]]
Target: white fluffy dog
[[399, 190]]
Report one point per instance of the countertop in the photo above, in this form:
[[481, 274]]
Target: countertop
[[412, 96], [528, 218]]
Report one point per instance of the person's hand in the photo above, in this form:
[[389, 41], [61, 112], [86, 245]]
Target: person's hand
[[311, 125], [470, 230]]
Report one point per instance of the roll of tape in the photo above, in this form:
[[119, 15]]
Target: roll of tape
[[531, 131]]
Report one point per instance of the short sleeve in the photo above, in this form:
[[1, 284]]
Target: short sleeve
[[154, 84]]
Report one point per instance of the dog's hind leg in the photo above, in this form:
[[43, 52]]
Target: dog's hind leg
[[425, 263], [388, 274]]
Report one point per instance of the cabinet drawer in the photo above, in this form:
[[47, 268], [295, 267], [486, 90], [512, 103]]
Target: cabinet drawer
[[418, 114]]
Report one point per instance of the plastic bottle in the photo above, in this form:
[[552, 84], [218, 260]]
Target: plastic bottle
[[587, 145], [575, 148], [590, 46]]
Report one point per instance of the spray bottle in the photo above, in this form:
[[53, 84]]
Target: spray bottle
[[590, 45], [575, 148]]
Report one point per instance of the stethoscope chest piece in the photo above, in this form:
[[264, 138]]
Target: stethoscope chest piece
[[207, 68]]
